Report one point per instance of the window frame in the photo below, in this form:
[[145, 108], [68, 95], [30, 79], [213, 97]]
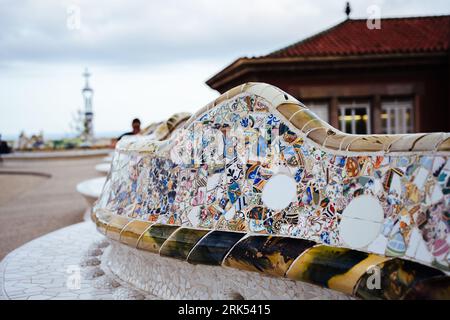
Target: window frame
[[353, 105], [398, 106]]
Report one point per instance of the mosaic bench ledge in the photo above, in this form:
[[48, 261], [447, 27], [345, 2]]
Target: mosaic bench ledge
[[290, 196], [90, 189]]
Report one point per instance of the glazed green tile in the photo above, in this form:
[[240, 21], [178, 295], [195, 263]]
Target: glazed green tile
[[181, 243], [102, 219], [132, 232], [115, 226], [347, 282], [213, 247], [266, 254], [396, 278], [321, 263], [101, 226], [155, 236]]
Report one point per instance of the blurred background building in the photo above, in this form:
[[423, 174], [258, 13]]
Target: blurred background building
[[360, 78]]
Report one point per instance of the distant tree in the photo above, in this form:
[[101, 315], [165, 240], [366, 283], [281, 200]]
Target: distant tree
[[77, 124]]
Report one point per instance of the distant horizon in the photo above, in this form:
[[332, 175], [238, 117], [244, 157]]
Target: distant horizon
[[62, 135]]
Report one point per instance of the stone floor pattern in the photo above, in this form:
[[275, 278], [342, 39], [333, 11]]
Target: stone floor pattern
[[47, 268]]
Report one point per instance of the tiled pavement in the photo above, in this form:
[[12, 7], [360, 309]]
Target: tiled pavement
[[64, 264]]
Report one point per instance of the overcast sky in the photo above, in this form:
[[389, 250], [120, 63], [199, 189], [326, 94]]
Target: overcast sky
[[148, 59]]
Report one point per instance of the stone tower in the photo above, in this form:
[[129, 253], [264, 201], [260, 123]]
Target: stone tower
[[88, 132]]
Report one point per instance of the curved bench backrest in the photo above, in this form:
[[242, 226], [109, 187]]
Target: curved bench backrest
[[259, 163]]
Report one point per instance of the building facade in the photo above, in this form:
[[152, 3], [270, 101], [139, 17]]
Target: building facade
[[395, 79]]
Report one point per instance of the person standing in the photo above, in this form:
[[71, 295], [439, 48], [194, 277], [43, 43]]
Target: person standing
[[136, 129]]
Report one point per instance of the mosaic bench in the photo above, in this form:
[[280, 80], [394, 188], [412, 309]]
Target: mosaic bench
[[91, 189], [103, 167], [255, 181]]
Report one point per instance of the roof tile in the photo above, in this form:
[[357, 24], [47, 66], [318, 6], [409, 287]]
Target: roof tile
[[353, 37]]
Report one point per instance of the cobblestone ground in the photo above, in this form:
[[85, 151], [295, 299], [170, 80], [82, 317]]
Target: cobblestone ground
[[31, 206]]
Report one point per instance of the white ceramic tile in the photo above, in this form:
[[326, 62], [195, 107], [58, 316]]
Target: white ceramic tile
[[396, 184], [271, 195], [230, 213], [422, 253], [358, 233], [361, 221], [420, 178], [257, 88], [364, 207], [436, 194], [213, 181], [378, 245], [279, 99], [194, 216], [270, 93], [414, 240]]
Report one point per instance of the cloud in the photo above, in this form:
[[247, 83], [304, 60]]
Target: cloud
[[146, 54], [152, 32], [155, 31]]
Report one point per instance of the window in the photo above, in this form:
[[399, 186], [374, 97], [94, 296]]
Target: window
[[355, 117], [396, 116], [320, 109]]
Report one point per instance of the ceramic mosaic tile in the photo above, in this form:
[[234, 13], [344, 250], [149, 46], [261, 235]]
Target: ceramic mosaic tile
[[153, 238], [322, 265], [101, 219], [256, 161], [130, 234], [181, 242], [270, 255], [115, 227], [398, 277], [430, 289], [211, 249]]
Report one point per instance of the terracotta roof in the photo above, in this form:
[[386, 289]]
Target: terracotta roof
[[352, 37]]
